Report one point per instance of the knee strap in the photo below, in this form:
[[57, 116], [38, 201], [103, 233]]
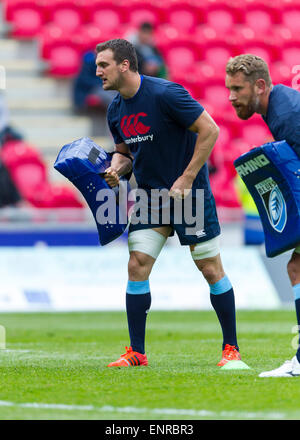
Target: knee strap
[[207, 249], [147, 241]]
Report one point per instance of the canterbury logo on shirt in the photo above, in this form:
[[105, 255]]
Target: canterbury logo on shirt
[[132, 126]]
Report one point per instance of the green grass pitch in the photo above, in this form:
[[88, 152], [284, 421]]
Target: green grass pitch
[[54, 367]]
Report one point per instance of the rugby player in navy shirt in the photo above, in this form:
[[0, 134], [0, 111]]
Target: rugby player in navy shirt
[[166, 137], [251, 91]]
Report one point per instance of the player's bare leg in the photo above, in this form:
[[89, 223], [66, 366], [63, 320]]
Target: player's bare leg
[[293, 268], [211, 268]]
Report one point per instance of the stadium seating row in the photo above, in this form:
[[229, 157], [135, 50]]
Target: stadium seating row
[[202, 37], [187, 61], [235, 138], [29, 173], [29, 16]]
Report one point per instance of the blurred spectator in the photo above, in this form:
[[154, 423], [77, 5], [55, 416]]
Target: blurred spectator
[[7, 132], [9, 195], [87, 88], [149, 58]]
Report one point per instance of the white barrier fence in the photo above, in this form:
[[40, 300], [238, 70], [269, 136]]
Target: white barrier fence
[[94, 278]]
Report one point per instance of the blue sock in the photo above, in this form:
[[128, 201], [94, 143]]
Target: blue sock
[[296, 290], [222, 300], [138, 302]]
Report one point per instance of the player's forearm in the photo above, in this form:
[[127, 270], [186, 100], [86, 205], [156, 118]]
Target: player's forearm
[[203, 148]]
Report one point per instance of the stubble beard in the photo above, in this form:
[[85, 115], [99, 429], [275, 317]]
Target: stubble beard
[[114, 86], [249, 110]]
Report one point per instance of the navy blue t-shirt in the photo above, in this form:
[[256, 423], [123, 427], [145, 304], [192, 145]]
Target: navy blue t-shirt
[[154, 124], [283, 115]]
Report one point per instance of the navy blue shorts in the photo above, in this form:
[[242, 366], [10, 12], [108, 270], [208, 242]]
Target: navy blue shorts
[[205, 226]]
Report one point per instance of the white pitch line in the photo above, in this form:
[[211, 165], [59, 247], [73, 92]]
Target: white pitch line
[[154, 411]]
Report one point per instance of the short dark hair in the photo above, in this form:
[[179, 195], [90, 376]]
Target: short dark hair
[[146, 26], [122, 50]]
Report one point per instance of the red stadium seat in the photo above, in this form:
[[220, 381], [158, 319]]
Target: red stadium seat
[[25, 166], [216, 94], [267, 52], [281, 73], [255, 132], [183, 16], [27, 18], [64, 197], [223, 156], [188, 81], [62, 50], [260, 20], [238, 146], [205, 72], [180, 55], [47, 195], [140, 12], [107, 15], [290, 54], [217, 54], [290, 19], [47, 37], [222, 152], [16, 153], [222, 185], [166, 34], [222, 17], [65, 60], [29, 174], [224, 137], [28, 179], [214, 57], [66, 14], [91, 35]]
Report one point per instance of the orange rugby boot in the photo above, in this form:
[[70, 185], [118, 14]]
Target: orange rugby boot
[[130, 359], [230, 353]]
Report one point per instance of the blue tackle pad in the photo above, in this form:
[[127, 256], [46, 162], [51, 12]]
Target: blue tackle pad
[[84, 162], [271, 173]]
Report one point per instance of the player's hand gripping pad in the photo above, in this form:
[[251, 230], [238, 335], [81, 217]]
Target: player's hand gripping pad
[[83, 162], [272, 175]]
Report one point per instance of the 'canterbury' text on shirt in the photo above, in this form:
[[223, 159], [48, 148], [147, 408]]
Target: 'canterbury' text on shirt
[[154, 124]]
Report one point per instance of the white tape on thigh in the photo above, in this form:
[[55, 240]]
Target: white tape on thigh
[[147, 241], [207, 249]]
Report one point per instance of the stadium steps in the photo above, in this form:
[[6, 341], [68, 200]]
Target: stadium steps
[[35, 87], [22, 67], [9, 48], [40, 96], [20, 58], [51, 146], [52, 127], [39, 106]]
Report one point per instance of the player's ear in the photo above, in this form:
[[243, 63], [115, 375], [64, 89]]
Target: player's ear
[[124, 66], [260, 86]]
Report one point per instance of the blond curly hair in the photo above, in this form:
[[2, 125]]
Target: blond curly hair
[[252, 66]]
